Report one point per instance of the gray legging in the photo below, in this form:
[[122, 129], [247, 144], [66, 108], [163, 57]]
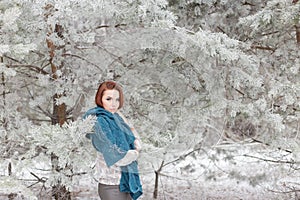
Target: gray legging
[[112, 192]]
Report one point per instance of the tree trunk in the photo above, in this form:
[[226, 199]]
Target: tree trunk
[[3, 83], [11, 196], [157, 173], [298, 33], [59, 112], [59, 191], [155, 193]]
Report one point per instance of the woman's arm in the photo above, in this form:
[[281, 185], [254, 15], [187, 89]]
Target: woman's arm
[[130, 156]]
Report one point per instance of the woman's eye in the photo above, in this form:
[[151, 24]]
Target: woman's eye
[[108, 99]]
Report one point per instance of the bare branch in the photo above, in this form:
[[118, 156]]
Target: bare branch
[[76, 56], [103, 26], [279, 148], [183, 156], [47, 113], [31, 67], [108, 26], [13, 59]]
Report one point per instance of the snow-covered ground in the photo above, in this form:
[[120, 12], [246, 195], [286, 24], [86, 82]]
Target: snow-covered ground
[[226, 172]]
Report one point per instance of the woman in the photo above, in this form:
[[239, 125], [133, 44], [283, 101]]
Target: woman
[[118, 146]]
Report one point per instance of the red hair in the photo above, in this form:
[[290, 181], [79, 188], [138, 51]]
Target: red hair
[[108, 85]]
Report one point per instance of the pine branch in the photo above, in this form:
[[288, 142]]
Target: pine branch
[[163, 164], [263, 48], [117, 58], [248, 4], [218, 27], [273, 161], [42, 180], [76, 108], [84, 59], [40, 120], [13, 59], [75, 174], [5, 93], [270, 33], [286, 192], [108, 26], [279, 148], [47, 113], [183, 156], [31, 67], [103, 26]]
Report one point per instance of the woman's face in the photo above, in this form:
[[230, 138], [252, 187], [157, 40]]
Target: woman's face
[[111, 100]]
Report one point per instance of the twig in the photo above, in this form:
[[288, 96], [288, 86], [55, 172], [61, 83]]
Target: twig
[[76, 56], [182, 156], [279, 148], [47, 113], [263, 48], [13, 59], [285, 192], [34, 68], [274, 161], [108, 26], [39, 180]]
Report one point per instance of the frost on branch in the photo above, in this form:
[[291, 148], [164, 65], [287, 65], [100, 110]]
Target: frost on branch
[[7, 71], [68, 143], [11, 186], [9, 18]]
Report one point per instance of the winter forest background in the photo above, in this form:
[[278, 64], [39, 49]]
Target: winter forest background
[[212, 86]]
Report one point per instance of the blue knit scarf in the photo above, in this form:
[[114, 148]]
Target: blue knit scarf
[[113, 138]]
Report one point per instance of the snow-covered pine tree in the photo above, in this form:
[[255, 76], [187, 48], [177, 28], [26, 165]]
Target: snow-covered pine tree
[[177, 81], [271, 29], [273, 33]]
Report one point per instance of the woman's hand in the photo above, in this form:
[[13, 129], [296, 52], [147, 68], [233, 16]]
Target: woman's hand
[[130, 156], [138, 145]]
